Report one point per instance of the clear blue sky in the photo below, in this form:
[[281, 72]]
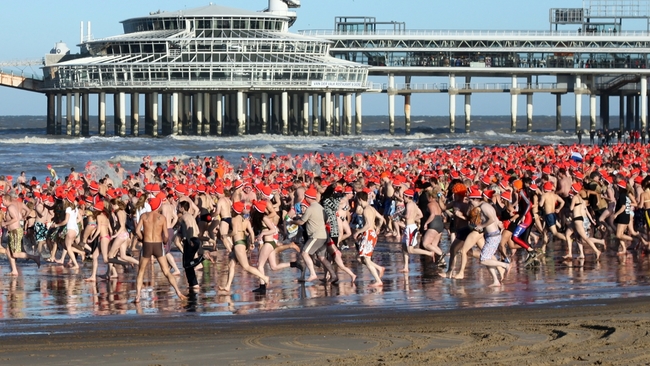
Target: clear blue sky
[[29, 32]]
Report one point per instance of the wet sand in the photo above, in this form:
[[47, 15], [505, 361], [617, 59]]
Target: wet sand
[[562, 312], [581, 332]]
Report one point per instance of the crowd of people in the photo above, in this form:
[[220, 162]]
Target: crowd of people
[[492, 202]]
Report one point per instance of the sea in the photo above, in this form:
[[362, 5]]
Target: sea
[[25, 145]]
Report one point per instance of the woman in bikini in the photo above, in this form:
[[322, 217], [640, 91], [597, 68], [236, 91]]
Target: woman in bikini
[[267, 239], [100, 238], [72, 230], [121, 238], [434, 225], [582, 220]]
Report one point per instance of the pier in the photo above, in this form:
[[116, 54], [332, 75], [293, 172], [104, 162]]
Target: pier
[[217, 71]]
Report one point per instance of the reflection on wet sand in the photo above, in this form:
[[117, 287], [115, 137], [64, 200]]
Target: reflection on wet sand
[[55, 292]]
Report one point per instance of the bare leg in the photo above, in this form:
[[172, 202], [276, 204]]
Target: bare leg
[[172, 280], [372, 267], [144, 262]]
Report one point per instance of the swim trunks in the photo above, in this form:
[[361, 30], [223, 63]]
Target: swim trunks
[[155, 249], [16, 240], [410, 237], [40, 231], [367, 244], [492, 241], [551, 219]]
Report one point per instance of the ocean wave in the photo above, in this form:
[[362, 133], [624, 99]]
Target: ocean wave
[[138, 159]]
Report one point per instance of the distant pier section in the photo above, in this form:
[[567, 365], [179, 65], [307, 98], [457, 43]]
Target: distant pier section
[[221, 71]]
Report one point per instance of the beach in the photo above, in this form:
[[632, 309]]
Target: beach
[[604, 332]]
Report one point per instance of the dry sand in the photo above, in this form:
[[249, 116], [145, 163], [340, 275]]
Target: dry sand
[[594, 332]]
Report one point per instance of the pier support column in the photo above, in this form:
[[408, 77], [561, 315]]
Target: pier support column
[[468, 112], [347, 109], [558, 112], [166, 117], [629, 112], [621, 113], [328, 113], [391, 104], [122, 115], [452, 103], [85, 114], [77, 114], [116, 114], [407, 114], [644, 105], [68, 112], [187, 115], [513, 104], [295, 102], [217, 119], [285, 113], [529, 112], [241, 116], [637, 107], [135, 114], [265, 113], [51, 114], [198, 113], [578, 93], [336, 120], [59, 114], [604, 111], [592, 112], [174, 113], [207, 97], [315, 120], [358, 128], [275, 115], [305, 114], [101, 114]]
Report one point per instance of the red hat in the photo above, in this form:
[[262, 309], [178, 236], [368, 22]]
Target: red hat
[[622, 184], [534, 186], [349, 189], [99, 205], [238, 184], [507, 195], [71, 197], [577, 187], [548, 186], [638, 179], [608, 179], [578, 175], [267, 192], [201, 188], [155, 203], [219, 189], [93, 186], [311, 193], [475, 193], [338, 189], [238, 207], [409, 193], [488, 194], [260, 206], [305, 203], [182, 189]]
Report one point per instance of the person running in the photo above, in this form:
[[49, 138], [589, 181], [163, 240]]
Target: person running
[[240, 228], [11, 224], [188, 233], [152, 231], [410, 240], [366, 236]]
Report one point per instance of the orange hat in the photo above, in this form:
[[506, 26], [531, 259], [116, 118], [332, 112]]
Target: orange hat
[[518, 184]]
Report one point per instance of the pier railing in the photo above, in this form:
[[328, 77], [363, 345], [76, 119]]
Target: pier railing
[[444, 87], [453, 32]]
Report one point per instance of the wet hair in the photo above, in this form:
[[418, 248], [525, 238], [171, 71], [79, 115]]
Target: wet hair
[[184, 205], [363, 196]]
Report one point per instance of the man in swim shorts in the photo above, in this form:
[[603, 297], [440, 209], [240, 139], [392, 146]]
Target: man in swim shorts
[[152, 231]]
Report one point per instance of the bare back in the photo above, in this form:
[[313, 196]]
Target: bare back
[[154, 227]]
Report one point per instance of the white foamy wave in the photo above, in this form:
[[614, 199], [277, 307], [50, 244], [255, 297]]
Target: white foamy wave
[[490, 133], [43, 141], [138, 159], [268, 149]]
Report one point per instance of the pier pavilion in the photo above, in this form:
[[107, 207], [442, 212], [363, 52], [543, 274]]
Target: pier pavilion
[[222, 71]]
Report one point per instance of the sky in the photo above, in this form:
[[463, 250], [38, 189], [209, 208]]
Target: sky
[[30, 33]]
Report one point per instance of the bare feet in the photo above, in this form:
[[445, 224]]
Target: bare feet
[[182, 297], [137, 299], [353, 278], [381, 272], [403, 271], [376, 284], [311, 278], [568, 256], [90, 279], [598, 253], [495, 284], [459, 276], [224, 290], [581, 256], [12, 274]]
